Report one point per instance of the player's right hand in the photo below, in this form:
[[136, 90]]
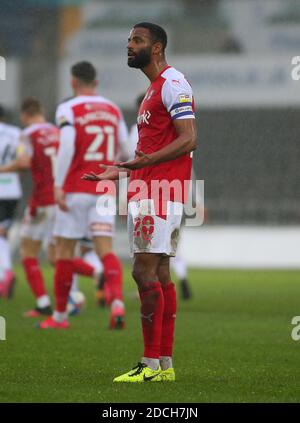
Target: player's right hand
[[60, 199]]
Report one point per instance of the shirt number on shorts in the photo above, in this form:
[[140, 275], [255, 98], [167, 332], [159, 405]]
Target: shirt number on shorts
[[92, 153], [144, 227]]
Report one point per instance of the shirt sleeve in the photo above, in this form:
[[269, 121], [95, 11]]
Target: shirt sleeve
[[64, 115], [65, 154], [177, 97]]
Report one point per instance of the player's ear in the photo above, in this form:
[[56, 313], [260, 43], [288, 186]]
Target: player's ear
[[157, 48]]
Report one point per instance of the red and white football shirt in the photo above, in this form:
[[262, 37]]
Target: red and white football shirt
[[41, 143], [169, 97], [100, 131]]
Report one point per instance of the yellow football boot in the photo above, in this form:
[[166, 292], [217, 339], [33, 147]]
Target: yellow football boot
[[167, 375], [140, 373]]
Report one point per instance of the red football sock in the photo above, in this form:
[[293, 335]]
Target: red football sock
[[64, 270], [152, 307], [168, 323], [113, 277], [34, 276], [82, 267]]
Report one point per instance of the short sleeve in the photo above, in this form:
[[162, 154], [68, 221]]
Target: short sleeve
[[64, 115], [177, 97]]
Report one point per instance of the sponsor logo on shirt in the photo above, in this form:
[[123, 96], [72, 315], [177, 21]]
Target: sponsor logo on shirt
[[144, 117], [184, 98]]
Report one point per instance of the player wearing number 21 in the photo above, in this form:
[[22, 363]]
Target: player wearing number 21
[[92, 132]]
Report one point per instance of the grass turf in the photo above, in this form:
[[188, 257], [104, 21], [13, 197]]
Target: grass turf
[[233, 344]]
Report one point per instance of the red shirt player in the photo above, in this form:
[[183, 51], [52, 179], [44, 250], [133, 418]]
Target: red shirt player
[[37, 151], [93, 132], [167, 136]]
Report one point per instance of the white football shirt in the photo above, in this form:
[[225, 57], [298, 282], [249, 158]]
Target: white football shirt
[[10, 187]]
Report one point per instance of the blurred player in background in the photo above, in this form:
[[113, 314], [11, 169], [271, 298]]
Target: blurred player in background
[[177, 263], [10, 193], [37, 152], [167, 136], [39, 142], [93, 131]]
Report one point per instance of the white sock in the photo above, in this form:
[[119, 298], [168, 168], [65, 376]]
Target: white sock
[[5, 254], [60, 317], [153, 363], [92, 258], [74, 286], [179, 266], [117, 303], [165, 362], [43, 301]]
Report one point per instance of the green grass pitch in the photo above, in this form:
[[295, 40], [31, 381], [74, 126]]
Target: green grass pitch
[[233, 344]]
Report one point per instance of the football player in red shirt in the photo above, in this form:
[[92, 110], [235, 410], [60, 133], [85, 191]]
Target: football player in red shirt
[[93, 131], [37, 152], [167, 136], [177, 263], [39, 142]]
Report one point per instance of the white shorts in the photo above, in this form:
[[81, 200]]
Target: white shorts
[[149, 233], [87, 216], [40, 226]]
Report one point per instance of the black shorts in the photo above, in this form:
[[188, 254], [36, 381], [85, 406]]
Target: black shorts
[[7, 212]]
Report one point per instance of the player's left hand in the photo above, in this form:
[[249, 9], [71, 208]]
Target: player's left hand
[[141, 160], [60, 199]]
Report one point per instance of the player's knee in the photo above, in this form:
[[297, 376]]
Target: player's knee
[[137, 274], [26, 250], [142, 274], [164, 276]]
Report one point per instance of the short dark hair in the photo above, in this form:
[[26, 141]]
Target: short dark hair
[[31, 106], [84, 72], [158, 34], [2, 112]]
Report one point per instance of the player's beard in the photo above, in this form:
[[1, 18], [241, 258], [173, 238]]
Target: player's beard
[[140, 59]]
